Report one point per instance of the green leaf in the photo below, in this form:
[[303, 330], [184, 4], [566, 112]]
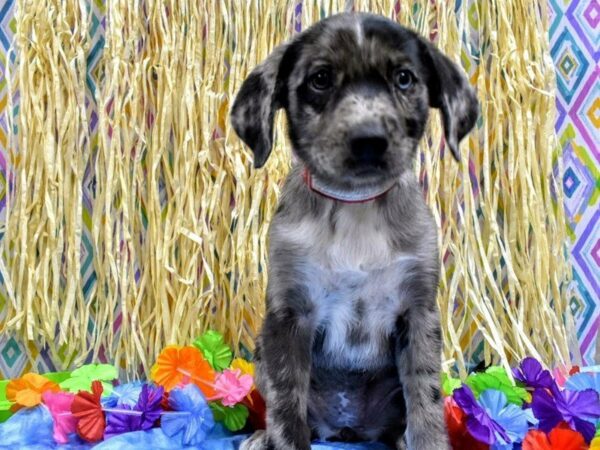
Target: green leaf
[[81, 379], [215, 350], [57, 377], [497, 378], [5, 405], [3, 384], [449, 384], [234, 418]]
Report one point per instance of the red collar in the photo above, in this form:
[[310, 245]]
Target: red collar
[[354, 196]]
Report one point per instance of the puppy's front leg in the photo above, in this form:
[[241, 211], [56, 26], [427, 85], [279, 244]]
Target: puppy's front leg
[[284, 371], [418, 357]]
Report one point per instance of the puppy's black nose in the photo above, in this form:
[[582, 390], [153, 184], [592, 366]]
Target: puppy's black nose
[[368, 147]]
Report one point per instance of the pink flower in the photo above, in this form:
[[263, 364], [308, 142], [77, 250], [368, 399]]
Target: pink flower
[[232, 386], [59, 404]]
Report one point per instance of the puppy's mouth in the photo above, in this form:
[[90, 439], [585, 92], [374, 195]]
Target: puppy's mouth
[[362, 172]]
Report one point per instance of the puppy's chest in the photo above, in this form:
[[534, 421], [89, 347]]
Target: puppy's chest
[[355, 278], [355, 315]]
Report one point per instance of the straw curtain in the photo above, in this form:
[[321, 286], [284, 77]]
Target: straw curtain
[[142, 162]]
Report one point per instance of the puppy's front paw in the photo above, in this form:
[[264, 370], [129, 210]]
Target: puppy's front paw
[[401, 444], [258, 441], [439, 442]]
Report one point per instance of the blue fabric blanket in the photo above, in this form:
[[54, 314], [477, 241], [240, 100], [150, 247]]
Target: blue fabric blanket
[[31, 429]]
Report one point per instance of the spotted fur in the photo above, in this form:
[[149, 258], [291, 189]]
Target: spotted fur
[[350, 346]]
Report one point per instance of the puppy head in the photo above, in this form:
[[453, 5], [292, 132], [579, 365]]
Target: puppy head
[[356, 89]]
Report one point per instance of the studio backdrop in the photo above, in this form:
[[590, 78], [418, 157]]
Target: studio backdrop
[[133, 217]]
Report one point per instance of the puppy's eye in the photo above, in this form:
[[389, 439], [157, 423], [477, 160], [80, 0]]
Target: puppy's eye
[[403, 79], [321, 80]]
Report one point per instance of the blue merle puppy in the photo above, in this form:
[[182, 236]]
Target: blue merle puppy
[[350, 348]]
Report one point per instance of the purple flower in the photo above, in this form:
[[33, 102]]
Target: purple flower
[[149, 405], [479, 423], [575, 408], [142, 416], [122, 420], [531, 373]]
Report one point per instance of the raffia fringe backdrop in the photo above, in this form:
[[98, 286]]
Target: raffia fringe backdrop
[[179, 218]]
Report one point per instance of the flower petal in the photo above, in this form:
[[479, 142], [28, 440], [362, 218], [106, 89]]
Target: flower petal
[[536, 440], [545, 410], [584, 380], [566, 439]]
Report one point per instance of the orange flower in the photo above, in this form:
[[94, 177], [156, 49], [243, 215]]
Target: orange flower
[[181, 365], [27, 391], [560, 438]]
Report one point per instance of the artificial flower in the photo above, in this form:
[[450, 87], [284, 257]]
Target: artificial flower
[[479, 423], [177, 366], [121, 420], [496, 378], [27, 391], [164, 403], [232, 386], [245, 366], [449, 384], [584, 380], [257, 409], [460, 438], [233, 417], [86, 407], [215, 350], [123, 394], [561, 374], [575, 408], [81, 379], [64, 422], [531, 373], [142, 416], [513, 420], [191, 418], [560, 438], [149, 405]]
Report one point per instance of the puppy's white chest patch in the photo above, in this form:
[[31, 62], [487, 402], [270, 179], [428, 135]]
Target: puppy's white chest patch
[[354, 278], [356, 312]]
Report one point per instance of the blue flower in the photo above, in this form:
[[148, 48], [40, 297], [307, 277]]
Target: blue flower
[[492, 419], [513, 420], [191, 417], [123, 394], [584, 380]]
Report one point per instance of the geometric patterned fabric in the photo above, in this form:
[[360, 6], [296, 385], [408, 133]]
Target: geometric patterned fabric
[[575, 50]]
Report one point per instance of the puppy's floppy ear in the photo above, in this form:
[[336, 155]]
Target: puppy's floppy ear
[[255, 105], [450, 91]]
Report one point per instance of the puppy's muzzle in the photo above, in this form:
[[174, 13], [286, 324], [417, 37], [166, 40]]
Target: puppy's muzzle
[[368, 145]]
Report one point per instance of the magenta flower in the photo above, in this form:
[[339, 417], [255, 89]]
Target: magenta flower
[[532, 374], [65, 423], [575, 408], [232, 386]]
